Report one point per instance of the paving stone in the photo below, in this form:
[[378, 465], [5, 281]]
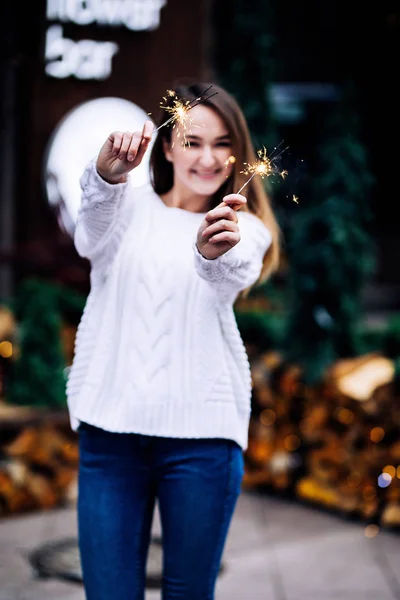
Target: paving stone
[[277, 549]]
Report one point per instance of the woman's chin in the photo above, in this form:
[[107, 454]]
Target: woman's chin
[[206, 188]]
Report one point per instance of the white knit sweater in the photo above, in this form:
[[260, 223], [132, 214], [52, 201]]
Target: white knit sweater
[[158, 350]]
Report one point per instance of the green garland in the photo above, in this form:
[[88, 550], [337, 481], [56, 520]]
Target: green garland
[[38, 376], [331, 252]]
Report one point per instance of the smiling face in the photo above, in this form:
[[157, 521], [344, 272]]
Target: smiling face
[[200, 165]]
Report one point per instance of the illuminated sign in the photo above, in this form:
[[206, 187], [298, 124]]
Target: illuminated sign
[[90, 59], [76, 140]]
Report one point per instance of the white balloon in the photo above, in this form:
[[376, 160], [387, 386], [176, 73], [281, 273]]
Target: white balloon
[[76, 140]]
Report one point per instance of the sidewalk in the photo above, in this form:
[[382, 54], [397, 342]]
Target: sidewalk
[[276, 550]]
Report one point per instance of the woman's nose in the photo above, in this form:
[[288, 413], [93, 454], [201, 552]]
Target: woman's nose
[[207, 156]]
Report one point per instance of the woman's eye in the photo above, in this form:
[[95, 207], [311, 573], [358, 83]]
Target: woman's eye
[[188, 144], [224, 144]]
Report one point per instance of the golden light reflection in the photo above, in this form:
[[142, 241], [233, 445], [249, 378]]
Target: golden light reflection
[[267, 417], [371, 531], [344, 415], [6, 349], [377, 434], [390, 470]]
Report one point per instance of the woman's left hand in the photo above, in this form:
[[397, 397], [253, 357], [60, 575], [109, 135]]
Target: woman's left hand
[[219, 231]]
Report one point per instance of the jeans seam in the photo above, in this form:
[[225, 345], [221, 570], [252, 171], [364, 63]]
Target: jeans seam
[[142, 591], [228, 492]]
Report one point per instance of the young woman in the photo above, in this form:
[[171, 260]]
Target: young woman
[[160, 385]]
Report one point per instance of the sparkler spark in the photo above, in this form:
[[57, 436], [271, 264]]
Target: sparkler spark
[[265, 166], [230, 161], [179, 110]]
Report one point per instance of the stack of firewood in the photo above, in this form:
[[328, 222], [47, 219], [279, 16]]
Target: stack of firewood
[[274, 450], [39, 458], [336, 445], [38, 450]]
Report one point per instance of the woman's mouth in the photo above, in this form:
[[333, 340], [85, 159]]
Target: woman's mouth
[[206, 175]]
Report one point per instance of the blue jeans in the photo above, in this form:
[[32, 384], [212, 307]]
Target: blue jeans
[[196, 482]]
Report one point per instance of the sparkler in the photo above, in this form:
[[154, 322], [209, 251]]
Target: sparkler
[[180, 108], [265, 166]]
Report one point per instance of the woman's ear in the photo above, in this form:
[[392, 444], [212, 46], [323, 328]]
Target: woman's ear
[[167, 150]]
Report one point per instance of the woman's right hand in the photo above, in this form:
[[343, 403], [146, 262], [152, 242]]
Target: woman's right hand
[[122, 152]]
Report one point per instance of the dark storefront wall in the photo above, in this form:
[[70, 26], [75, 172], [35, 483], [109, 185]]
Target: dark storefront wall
[[315, 44], [354, 42], [146, 64]]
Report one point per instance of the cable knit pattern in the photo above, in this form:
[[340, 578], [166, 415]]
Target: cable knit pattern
[[101, 221], [151, 337], [158, 350]]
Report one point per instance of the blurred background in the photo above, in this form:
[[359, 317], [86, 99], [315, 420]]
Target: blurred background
[[319, 80]]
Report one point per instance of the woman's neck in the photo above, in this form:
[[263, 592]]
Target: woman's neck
[[186, 200]]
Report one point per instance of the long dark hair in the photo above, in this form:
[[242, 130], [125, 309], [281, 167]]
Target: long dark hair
[[258, 203]]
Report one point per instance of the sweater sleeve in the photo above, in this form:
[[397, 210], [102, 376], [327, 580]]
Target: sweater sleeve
[[99, 216], [241, 266]]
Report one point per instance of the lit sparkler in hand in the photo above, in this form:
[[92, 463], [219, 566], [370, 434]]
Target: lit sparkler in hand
[[263, 166], [179, 110]]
